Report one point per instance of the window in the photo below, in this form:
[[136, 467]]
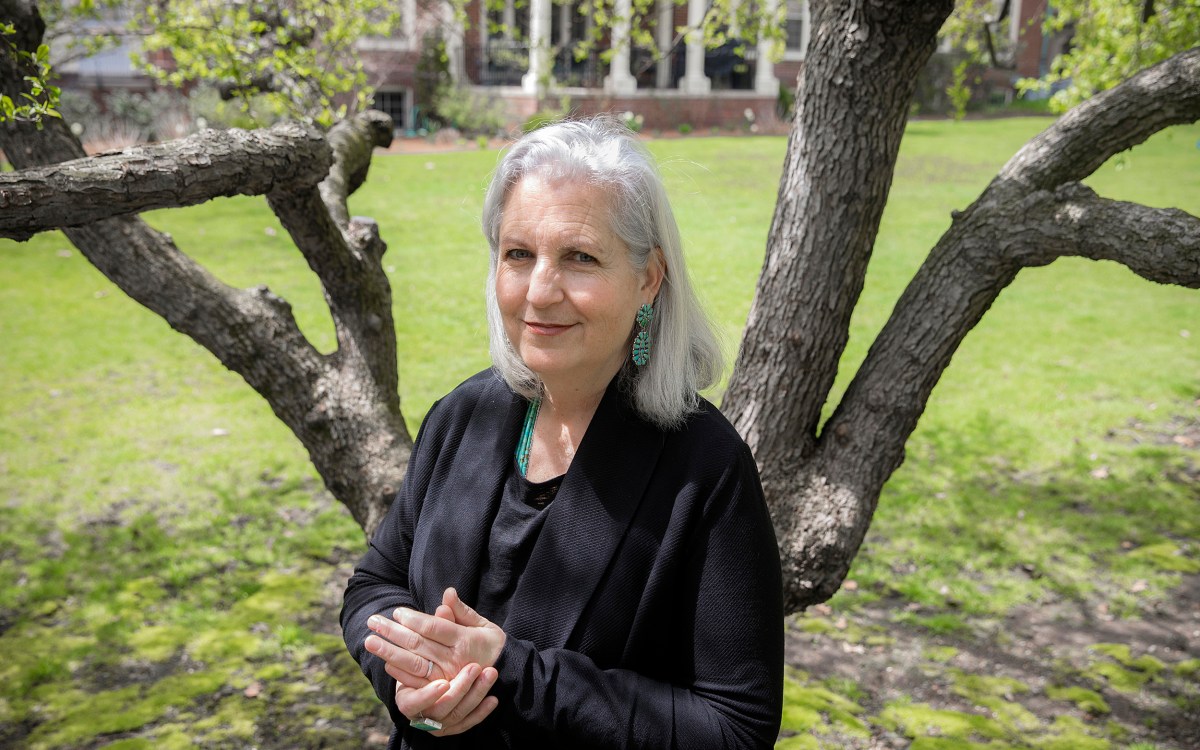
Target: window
[[797, 29], [394, 103]]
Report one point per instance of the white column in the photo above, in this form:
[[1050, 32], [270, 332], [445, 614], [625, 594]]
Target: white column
[[694, 81], [455, 50], [508, 19], [666, 34], [764, 69], [538, 79], [408, 23], [565, 12], [620, 80]]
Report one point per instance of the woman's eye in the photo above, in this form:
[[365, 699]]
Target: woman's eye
[[517, 254], [584, 258]]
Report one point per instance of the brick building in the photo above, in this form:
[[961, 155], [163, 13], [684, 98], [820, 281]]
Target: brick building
[[521, 54]]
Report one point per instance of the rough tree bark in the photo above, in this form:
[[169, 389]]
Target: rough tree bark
[[165, 175], [344, 407], [823, 482]]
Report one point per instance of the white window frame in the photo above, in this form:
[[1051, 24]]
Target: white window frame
[[798, 10]]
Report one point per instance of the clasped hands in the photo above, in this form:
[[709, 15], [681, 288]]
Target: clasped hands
[[442, 663]]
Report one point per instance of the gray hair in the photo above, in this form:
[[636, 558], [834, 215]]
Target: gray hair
[[600, 152]]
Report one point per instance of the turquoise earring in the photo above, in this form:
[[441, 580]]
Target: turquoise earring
[[641, 342]]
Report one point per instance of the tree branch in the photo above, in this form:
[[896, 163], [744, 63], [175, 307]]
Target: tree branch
[[863, 441], [1158, 244], [356, 287], [1108, 123], [166, 175], [353, 142]]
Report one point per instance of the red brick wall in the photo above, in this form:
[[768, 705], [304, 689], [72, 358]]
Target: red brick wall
[[724, 109], [390, 68], [1029, 40]]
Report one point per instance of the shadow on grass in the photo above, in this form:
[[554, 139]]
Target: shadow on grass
[[995, 605], [155, 626]]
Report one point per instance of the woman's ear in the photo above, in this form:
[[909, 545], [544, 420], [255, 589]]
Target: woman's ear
[[656, 271]]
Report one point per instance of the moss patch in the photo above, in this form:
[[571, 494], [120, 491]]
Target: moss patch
[[1126, 673], [1084, 699], [808, 706], [1188, 668], [921, 720], [1168, 556], [77, 715], [996, 694]]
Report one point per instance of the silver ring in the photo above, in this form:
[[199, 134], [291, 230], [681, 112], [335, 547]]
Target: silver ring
[[429, 671], [424, 724]]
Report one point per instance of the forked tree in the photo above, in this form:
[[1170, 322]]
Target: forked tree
[[822, 479]]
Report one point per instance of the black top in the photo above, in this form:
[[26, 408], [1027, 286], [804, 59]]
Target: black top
[[649, 613], [514, 533]]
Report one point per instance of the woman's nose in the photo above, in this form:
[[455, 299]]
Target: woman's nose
[[544, 284]]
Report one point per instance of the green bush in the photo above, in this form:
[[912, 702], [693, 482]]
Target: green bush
[[539, 119], [785, 103], [432, 76], [209, 110], [547, 115], [470, 112]]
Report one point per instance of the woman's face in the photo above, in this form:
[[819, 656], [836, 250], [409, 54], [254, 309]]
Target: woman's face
[[567, 291]]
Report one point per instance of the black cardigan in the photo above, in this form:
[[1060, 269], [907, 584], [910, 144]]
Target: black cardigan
[[650, 613]]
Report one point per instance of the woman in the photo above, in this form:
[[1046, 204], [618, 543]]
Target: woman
[[606, 523]]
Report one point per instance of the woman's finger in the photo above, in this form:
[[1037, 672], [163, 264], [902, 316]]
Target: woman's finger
[[481, 712], [413, 702], [460, 686], [431, 629], [463, 614], [406, 639], [476, 691], [404, 678], [474, 706], [411, 664]]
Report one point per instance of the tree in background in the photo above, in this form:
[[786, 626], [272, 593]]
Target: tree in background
[[297, 54], [1112, 40], [822, 477], [297, 57], [39, 98]]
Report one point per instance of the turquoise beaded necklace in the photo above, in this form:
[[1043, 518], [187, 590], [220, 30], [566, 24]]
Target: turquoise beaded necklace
[[526, 441]]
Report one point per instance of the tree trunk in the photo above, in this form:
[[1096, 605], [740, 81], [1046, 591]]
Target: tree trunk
[[823, 489], [852, 104]]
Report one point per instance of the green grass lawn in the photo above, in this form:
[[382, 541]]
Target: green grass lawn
[[170, 565]]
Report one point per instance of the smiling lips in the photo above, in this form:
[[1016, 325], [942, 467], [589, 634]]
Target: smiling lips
[[546, 329]]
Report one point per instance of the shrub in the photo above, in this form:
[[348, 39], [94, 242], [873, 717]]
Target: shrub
[[547, 115], [785, 103], [470, 112], [432, 76], [539, 119], [208, 109]]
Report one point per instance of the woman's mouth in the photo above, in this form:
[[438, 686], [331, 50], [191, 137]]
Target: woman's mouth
[[546, 329]]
